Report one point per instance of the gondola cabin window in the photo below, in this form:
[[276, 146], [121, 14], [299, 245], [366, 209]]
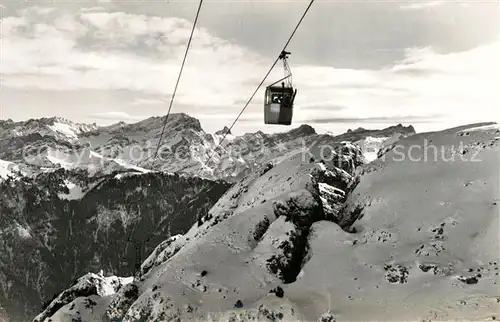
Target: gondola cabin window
[[276, 99]]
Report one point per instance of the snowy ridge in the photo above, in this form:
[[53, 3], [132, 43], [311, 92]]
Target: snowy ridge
[[372, 146], [185, 148], [86, 286], [69, 130], [14, 171], [483, 128], [272, 210], [74, 191], [432, 231], [5, 170], [84, 158], [57, 127], [407, 240]]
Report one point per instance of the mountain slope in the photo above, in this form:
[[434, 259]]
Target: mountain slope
[[59, 225], [69, 193], [310, 240], [426, 241], [253, 240]]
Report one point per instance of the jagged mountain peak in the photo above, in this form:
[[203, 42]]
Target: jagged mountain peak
[[56, 119], [186, 121], [6, 122], [56, 127], [175, 122], [304, 129], [401, 127], [185, 147], [389, 231], [359, 129], [50, 121]]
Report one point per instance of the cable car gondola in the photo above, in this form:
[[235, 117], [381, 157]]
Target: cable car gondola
[[278, 100]]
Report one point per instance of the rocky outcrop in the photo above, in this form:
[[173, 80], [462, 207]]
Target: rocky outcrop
[[86, 286], [60, 225], [90, 197], [405, 240], [361, 133], [252, 242]]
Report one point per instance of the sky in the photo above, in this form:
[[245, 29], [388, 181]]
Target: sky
[[372, 64]]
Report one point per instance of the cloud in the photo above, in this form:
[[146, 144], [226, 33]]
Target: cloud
[[384, 120], [460, 86], [95, 8], [419, 5], [148, 101], [116, 51], [120, 51]]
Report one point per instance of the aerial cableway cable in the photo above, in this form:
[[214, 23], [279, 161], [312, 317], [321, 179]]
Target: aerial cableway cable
[[139, 244], [176, 84], [258, 87]]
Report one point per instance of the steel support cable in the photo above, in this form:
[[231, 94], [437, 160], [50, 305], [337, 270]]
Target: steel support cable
[[176, 85], [258, 87]]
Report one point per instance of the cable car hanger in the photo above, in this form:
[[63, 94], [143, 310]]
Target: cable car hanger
[[286, 67], [278, 100]]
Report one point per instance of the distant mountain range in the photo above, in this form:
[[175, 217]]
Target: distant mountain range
[[46, 144]]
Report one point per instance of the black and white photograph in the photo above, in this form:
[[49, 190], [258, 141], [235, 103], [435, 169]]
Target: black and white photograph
[[249, 160]]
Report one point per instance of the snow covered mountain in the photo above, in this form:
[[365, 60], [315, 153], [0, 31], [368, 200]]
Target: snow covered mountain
[[48, 144], [410, 236], [70, 192], [59, 225], [56, 127], [372, 141], [7, 169]]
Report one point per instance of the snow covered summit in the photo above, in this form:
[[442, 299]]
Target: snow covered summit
[[411, 236], [51, 143]]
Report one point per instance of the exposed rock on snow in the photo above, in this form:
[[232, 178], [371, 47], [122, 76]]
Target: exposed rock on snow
[[59, 225], [3, 315], [415, 240], [376, 143], [421, 227], [240, 272], [74, 191], [86, 286], [8, 170]]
